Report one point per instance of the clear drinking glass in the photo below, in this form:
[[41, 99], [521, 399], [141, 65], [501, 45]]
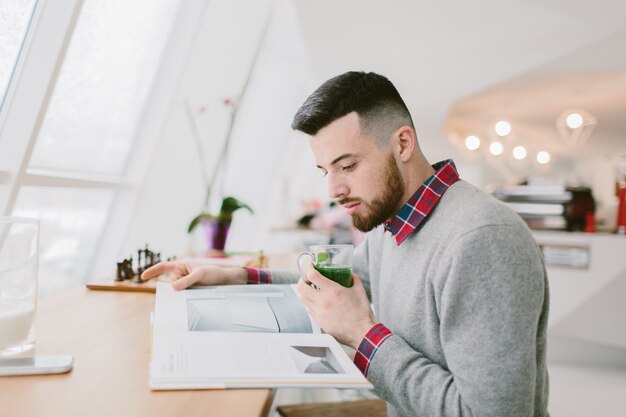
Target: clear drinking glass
[[332, 261], [19, 262]]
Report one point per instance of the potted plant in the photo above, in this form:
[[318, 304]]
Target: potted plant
[[216, 227]]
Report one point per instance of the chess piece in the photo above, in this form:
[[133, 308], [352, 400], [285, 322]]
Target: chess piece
[[145, 259], [259, 261], [127, 269], [120, 272], [263, 260]]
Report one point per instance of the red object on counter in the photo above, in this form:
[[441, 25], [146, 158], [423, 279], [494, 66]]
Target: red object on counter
[[621, 211], [590, 222]]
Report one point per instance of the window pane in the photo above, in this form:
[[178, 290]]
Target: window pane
[[71, 223], [14, 19], [103, 85]]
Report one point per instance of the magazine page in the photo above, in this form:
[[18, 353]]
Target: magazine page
[[243, 336], [233, 308]]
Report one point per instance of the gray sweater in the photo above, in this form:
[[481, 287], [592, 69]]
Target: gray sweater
[[466, 296]]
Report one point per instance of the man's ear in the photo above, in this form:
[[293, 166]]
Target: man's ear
[[405, 143]]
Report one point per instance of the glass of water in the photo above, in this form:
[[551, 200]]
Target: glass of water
[[19, 263]]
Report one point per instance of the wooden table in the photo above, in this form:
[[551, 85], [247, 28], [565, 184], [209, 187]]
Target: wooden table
[[108, 333]]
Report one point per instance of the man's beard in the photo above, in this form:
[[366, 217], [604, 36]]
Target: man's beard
[[382, 208]]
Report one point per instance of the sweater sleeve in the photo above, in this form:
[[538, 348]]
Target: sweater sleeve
[[490, 299], [258, 276], [279, 276], [271, 276]]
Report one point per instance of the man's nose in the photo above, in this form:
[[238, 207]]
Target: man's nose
[[337, 187]]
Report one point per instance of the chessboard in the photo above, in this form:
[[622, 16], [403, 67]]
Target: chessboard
[[126, 279], [114, 285]]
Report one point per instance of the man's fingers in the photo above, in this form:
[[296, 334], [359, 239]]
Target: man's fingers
[[305, 289], [183, 282], [197, 276], [318, 280], [308, 267], [158, 269], [307, 271]]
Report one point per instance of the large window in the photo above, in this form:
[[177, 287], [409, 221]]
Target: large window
[[103, 86], [71, 223], [15, 16], [75, 167]]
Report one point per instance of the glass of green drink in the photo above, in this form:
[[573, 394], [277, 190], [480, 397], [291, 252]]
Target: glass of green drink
[[332, 261]]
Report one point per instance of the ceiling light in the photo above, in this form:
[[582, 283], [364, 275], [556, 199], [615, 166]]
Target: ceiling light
[[575, 126], [472, 142], [543, 157], [574, 120], [519, 153], [496, 148], [503, 128]]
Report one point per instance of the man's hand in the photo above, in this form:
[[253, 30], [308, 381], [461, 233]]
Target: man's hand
[[186, 273], [344, 313]]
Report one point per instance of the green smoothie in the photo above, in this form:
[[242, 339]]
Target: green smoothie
[[342, 275]]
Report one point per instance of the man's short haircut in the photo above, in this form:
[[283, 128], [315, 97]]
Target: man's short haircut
[[373, 97]]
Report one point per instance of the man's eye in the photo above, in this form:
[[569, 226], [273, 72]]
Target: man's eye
[[349, 167], [324, 173]]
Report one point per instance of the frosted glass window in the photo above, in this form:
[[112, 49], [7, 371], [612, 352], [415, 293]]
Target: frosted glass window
[[71, 222], [103, 86], [15, 16]]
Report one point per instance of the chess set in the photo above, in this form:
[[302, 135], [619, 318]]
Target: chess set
[[128, 276], [145, 259]]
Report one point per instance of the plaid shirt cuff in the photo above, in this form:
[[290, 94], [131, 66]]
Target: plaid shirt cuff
[[369, 346], [258, 276]]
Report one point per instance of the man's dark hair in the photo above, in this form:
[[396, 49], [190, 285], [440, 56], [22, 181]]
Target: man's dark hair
[[373, 97]]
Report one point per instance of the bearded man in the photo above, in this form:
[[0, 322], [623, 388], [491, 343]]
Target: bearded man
[[455, 278]]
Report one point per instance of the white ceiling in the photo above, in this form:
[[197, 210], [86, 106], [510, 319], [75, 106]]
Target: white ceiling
[[534, 102], [438, 53]]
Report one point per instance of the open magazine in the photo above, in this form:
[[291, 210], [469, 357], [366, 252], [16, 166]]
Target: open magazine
[[243, 336]]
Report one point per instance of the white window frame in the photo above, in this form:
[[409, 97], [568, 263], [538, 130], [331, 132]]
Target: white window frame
[[29, 92], [27, 100]]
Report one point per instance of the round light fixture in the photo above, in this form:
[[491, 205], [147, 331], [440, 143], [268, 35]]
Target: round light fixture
[[519, 153], [575, 126], [574, 120], [496, 148], [503, 128], [472, 142], [543, 157]]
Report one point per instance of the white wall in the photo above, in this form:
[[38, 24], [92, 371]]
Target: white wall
[[173, 191], [268, 167], [271, 166]]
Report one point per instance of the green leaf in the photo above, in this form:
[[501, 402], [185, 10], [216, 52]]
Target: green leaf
[[229, 206], [196, 220], [321, 257]]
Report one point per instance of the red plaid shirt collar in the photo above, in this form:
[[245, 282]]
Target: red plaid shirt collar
[[413, 213]]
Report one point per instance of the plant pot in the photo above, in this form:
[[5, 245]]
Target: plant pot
[[215, 233]]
